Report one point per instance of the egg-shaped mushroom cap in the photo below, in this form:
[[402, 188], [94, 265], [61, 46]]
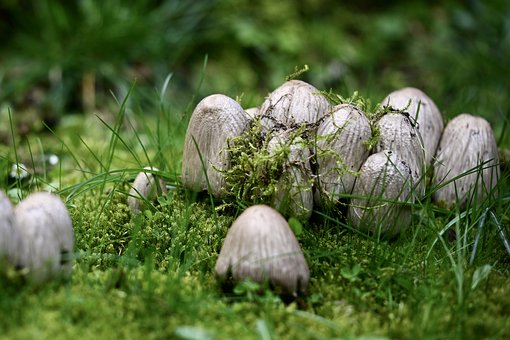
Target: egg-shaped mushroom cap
[[380, 195], [467, 160], [294, 195], [341, 150], [398, 133], [47, 236], [215, 120], [261, 246], [293, 103], [424, 112]]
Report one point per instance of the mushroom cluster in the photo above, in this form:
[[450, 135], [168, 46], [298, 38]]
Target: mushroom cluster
[[300, 151], [37, 236]]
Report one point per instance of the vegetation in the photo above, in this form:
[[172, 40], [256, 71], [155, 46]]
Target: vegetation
[[151, 275]]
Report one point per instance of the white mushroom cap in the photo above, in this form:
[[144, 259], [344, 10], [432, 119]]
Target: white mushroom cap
[[383, 185], [398, 134], [261, 246], [467, 142], [47, 236], [424, 111], [10, 241], [215, 120], [294, 195], [341, 150], [293, 103], [145, 188]]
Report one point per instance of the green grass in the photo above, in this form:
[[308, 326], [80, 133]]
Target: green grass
[[152, 275]]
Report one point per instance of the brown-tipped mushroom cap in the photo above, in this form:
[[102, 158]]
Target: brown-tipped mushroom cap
[[261, 246], [47, 236], [399, 134], [467, 142], [10, 241], [293, 103], [383, 185], [145, 188], [424, 111], [215, 120], [341, 150]]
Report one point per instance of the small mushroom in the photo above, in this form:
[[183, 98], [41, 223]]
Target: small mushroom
[[422, 110], [47, 236], [341, 150], [10, 241], [215, 120], [399, 134], [292, 104], [467, 145], [145, 188], [260, 246], [381, 194], [294, 196]]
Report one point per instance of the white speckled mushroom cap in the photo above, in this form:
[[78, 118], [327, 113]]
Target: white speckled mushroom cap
[[261, 246]]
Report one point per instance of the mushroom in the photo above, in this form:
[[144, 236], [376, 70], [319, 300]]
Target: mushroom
[[421, 110], [145, 188], [260, 246], [380, 195], [10, 241], [294, 190], [399, 134], [215, 119], [47, 236], [292, 104], [341, 150], [466, 160]]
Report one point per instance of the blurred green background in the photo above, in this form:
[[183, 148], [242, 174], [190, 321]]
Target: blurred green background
[[59, 57]]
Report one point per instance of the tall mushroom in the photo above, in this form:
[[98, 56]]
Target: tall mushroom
[[341, 150], [467, 161], [215, 120]]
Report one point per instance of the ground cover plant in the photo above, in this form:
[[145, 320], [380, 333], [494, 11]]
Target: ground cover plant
[[152, 274]]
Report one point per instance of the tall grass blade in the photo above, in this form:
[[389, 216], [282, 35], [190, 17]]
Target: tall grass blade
[[501, 232], [481, 224]]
